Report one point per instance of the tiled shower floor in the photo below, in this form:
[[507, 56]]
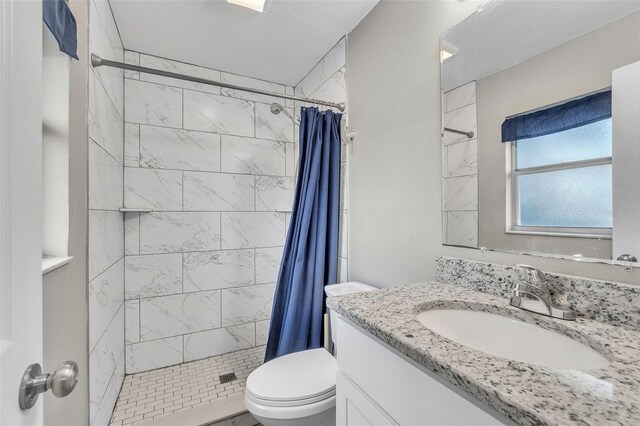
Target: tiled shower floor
[[168, 390]]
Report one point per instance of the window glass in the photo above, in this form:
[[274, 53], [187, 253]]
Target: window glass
[[578, 197], [581, 143]]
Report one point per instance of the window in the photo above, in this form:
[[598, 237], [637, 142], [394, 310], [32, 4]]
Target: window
[[561, 174], [561, 182]]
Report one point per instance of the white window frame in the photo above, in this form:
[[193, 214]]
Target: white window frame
[[583, 232]]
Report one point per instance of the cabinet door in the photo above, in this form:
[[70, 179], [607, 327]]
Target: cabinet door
[[403, 391], [354, 408]]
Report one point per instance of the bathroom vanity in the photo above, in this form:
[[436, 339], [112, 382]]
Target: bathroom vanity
[[393, 369], [402, 392]]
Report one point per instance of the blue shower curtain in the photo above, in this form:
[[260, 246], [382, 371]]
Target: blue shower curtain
[[310, 256]]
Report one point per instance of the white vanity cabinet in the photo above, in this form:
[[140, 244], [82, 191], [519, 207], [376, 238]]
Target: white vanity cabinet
[[378, 386], [354, 407]]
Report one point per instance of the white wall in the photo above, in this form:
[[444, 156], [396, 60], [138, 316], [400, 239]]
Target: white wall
[[55, 146], [395, 165]]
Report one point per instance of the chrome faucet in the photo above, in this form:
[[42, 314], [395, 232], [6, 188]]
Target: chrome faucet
[[532, 294]]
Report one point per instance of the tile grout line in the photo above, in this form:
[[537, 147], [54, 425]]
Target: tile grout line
[[200, 331], [208, 132], [139, 232], [139, 321]]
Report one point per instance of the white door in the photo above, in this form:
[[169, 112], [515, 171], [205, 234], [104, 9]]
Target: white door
[[20, 203], [626, 156]]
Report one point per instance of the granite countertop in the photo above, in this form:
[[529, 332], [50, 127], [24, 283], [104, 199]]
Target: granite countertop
[[527, 394]]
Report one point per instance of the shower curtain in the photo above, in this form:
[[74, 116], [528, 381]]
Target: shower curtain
[[310, 256]]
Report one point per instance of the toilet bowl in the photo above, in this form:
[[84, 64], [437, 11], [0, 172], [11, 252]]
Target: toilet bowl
[[299, 388]]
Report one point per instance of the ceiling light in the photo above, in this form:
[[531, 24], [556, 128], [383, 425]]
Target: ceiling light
[[257, 5], [444, 55], [447, 50]]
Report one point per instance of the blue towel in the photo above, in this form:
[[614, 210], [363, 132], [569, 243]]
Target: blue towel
[[60, 20]]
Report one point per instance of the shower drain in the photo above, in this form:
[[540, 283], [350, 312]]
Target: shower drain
[[226, 378]]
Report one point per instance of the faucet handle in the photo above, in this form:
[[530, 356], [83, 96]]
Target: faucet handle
[[532, 274], [536, 289], [523, 266]]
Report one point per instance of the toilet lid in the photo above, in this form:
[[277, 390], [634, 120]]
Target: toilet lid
[[299, 376]]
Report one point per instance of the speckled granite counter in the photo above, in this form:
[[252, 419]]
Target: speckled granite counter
[[527, 394]]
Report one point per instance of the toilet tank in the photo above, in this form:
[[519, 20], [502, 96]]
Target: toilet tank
[[338, 290]]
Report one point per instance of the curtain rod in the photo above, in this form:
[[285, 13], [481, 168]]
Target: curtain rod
[[97, 61], [460, 132]]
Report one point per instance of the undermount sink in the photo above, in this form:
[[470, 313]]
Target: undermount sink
[[508, 338]]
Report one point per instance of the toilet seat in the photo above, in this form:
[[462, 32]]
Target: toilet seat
[[291, 403], [296, 380], [290, 412]]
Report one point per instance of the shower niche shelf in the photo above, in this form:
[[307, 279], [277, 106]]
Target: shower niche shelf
[[135, 209]]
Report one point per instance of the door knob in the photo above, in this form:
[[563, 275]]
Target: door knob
[[61, 382]]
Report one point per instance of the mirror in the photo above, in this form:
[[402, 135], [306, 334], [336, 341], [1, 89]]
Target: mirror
[[541, 133]]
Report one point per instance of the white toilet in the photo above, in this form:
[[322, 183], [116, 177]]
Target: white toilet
[[300, 388]]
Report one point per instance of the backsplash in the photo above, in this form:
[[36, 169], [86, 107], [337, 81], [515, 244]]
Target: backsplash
[[609, 302]]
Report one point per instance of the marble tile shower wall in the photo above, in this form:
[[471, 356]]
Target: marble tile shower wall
[[217, 169], [106, 233], [460, 168], [327, 81]]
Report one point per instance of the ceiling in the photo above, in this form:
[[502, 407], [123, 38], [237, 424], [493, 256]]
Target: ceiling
[[507, 32], [281, 45]]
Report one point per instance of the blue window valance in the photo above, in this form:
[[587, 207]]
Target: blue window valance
[[576, 113], [62, 24]]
